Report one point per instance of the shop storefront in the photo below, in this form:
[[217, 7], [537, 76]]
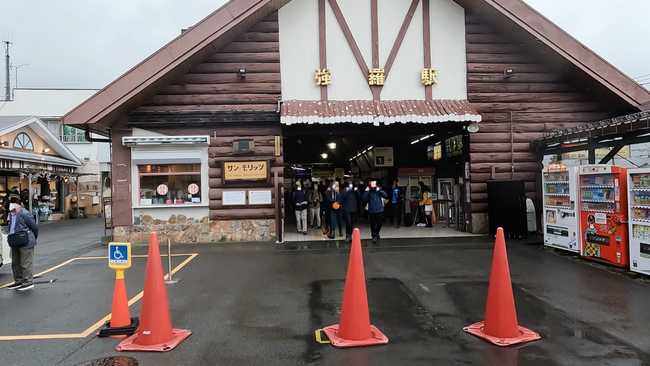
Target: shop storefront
[[35, 167], [457, 90]]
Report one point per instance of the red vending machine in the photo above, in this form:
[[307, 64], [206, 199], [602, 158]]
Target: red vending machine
[[603, 214]]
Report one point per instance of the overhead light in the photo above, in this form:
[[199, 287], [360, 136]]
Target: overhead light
[[324, 156], [423, 138], [46, 150], [473, 128], [332, 145]]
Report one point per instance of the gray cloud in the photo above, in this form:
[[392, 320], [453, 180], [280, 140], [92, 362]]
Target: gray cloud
[[87, 44]]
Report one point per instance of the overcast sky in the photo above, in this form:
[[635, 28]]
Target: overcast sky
[[87, 44]]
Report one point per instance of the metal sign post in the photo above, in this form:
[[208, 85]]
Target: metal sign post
[[170, 280]]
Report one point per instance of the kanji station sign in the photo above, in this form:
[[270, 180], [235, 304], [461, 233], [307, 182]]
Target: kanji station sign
[[245, 170]]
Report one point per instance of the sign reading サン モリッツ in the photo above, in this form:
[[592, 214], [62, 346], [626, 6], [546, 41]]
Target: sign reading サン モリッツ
[[245, 170]]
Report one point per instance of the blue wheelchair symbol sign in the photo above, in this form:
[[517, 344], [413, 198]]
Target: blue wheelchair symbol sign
[[119, 256]]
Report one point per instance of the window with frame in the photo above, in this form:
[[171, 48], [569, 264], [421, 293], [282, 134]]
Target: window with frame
[[73, 135], [23, 142], [169, 184]]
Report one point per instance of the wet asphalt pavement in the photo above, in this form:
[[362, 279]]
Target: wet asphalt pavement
[[259, 304]]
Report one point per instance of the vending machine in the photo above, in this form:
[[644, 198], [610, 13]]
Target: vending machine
[[603, 214], [638, 182], [560, 217]]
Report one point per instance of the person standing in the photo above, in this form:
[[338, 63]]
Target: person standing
[[301, 205], [315, 198], [23, 233], [397, 204], [336, 215], [350, 201], [375, 196]]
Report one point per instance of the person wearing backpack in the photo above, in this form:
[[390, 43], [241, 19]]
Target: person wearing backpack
[[23, 233]]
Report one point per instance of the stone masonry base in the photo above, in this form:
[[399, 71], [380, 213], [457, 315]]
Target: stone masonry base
[[183, 230]]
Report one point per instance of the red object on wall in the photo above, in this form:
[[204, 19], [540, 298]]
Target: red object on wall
[[603, 214]]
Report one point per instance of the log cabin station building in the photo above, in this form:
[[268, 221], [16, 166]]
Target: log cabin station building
[[209, 130]]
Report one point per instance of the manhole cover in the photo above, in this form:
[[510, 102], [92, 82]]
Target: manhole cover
[[111, 361]]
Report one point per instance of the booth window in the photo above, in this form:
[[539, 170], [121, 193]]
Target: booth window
[[23, 141], [169, 184]]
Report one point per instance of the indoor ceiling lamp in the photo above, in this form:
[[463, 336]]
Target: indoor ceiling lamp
[[422, 139], [332, 145], [324, 156], [472, 128]]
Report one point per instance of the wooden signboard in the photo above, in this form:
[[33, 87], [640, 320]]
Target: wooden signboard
[[245, 171]]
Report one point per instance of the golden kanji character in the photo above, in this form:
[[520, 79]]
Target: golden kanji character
[[376, 76], [429, 76], [323, 77]]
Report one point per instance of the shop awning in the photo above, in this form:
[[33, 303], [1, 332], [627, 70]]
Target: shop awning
[[377, 112]]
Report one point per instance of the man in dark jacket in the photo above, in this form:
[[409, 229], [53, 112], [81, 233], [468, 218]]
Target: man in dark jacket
[[300, 204], [22, 258], [333, 197], [375, 196], [350, 199]]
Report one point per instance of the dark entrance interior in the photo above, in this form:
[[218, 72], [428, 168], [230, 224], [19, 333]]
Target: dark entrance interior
[[433, 153]]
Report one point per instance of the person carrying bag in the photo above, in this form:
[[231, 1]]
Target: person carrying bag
[[23, 233]]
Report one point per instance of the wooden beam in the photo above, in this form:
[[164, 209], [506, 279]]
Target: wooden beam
[[322, 44], [340, 18], [374, 40], [426, 38], [400, 37], [610, 155]]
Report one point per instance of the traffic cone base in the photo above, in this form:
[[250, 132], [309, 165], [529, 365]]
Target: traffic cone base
[[377, 338], [526, 335], [129, 344]]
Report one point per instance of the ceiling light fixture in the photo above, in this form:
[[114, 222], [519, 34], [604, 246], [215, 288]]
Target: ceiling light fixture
[[324, 156], [332, 145], [423, 138]]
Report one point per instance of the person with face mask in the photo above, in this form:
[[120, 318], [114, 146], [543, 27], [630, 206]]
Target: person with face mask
[[350, 199], [315, 198], [23, 233], [336, 215], [375, 197], [301, 205]]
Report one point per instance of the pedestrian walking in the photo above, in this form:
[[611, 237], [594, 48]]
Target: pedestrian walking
[[23, 233], [350, 201], [301, 205], [375, 196], [315, 198]]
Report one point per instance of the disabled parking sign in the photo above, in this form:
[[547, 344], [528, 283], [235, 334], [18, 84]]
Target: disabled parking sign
[[119, 255]]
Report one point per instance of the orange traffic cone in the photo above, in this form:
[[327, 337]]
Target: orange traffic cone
[[120, 315], [155, 332], [354, 328], [500, 325], [121, 323]]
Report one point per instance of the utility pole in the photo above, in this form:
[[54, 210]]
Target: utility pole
[[8, 78]]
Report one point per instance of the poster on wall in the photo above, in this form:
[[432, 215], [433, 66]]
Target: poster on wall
[[245, 171], [234, 198], [260, 197], [383, 156]]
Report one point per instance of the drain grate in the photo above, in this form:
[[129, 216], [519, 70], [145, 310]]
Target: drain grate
[[111, 361]]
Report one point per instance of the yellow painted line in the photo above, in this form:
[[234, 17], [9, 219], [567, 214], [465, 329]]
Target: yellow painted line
[[42, 337], [133, 256], [93, 328], [46, 271]]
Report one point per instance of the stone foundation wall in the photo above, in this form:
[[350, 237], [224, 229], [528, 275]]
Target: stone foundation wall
[[184, 230]]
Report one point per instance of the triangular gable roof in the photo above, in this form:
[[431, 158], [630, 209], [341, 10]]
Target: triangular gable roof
[[9, 124], [103, 107]]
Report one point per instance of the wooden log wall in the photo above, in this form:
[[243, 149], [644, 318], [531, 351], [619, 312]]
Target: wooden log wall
[[221, 149], [215, 85], [516, 109]]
